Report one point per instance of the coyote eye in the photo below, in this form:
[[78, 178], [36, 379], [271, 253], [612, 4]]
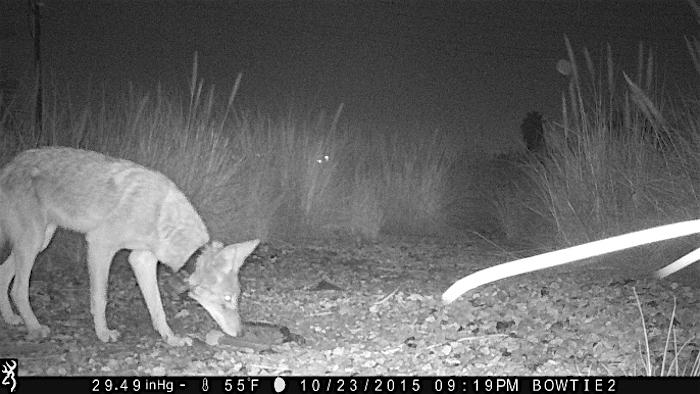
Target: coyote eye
[[231, 300]]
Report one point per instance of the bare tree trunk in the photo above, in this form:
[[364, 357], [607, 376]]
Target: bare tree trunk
[[35, 14]]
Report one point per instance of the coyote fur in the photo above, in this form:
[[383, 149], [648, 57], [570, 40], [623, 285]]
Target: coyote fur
[[117, 204]]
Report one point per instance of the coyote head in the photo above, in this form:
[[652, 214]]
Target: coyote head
[[214, 283]]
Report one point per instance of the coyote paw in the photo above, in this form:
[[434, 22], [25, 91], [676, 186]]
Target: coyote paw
[[40, 332], [108, 335], [13, 319], [175, 340]]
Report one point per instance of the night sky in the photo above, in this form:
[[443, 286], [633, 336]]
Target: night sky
[[473, 66]]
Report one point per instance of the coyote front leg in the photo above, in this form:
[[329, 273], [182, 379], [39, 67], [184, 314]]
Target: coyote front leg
[[99, 260], [145, 264]]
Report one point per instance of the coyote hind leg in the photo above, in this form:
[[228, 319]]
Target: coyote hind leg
[[18, 266], [24, 254], [7, 273]]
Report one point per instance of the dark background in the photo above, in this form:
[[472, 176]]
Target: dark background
[[473, 66]]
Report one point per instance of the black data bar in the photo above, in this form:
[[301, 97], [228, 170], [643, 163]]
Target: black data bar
[[345, 384]]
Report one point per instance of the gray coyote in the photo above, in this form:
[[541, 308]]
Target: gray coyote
[[117, 204]]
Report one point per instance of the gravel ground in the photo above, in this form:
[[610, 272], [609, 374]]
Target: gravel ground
[[337, 308]]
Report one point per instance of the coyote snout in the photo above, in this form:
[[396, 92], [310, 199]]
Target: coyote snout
[[117, 204]]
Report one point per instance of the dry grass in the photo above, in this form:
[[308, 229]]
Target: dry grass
[[256, 175], [668, 367], [616, 161]]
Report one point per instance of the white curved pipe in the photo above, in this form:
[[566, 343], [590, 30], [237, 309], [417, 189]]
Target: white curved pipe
[[580, 252]]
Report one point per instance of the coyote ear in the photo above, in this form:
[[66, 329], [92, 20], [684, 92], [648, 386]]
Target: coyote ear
[[234, 255]]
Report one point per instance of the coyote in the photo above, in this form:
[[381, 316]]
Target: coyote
[[117, 204]]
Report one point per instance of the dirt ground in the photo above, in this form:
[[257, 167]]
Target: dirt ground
[[339, 308]]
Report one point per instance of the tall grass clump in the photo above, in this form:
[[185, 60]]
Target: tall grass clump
[[301, 158], [389, 182], [341, 181], [514, 206], [616, 161], [414, 173]]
